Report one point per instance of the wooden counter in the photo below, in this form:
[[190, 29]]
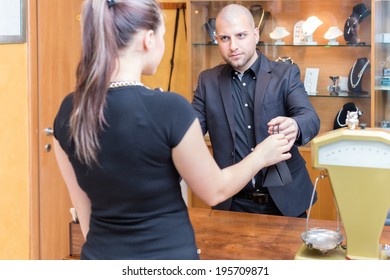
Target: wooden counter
[[232, 235], [228, 235]]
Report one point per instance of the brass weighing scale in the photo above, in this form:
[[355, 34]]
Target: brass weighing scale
[[357, 162]]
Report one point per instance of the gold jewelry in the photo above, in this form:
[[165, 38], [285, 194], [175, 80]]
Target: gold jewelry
[[261, 20], [125, 84], [254, 9], [285, 59]]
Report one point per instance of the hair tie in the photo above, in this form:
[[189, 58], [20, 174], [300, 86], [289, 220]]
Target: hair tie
[[110, 3]]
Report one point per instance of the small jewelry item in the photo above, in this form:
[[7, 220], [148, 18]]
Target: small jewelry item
[[357, 20], [350, 26], [125, 84], [360, 74], [352, 119], [334, 88], [111, 3], [285, 59]]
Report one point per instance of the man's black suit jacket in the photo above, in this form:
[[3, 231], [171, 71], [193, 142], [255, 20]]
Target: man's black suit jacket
[[279, 92]]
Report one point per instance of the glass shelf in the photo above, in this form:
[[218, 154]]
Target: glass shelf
[[382, 88], [341, 95], [291, 45]]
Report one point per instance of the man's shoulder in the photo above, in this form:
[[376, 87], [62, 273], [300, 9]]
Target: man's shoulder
[[214, 70]]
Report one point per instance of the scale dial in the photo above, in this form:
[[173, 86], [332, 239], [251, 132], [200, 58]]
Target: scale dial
[[355, 153]]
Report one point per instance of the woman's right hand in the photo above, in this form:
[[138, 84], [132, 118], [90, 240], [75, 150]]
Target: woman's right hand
[[273, 149], [208, 181]]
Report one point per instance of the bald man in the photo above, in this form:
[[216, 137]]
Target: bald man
[[241, 102]]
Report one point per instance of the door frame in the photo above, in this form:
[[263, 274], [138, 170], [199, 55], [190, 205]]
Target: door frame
[[32, 56]]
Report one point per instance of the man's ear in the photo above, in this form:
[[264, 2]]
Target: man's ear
[[148, 39], [257, 34]]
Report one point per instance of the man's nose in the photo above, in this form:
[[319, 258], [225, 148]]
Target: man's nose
[[233, 43]]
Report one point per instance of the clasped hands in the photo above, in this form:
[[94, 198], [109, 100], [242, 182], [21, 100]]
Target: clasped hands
[[286, 126]]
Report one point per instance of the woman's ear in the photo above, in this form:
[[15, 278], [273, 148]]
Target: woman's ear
[[148, 39]]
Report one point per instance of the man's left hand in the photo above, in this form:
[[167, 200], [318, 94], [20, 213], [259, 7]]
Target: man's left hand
[[287, 126]]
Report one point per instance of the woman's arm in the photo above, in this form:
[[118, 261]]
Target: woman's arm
[[79, 198], [202, 174]]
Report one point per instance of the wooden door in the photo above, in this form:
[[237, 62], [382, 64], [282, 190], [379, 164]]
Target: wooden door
[[58, 47]]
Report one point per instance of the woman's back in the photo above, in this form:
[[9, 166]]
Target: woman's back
[[137, 208]]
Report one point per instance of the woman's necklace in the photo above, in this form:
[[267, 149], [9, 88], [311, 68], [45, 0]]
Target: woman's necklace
[[354, 85], [125, 84]]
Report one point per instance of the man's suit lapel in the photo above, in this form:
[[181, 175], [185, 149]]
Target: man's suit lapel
[[262, 80], [224, 81]]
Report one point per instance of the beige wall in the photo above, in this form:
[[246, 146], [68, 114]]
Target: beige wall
[[14, 154], [179, 76]]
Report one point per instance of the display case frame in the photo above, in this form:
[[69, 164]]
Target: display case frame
[[380, 75]]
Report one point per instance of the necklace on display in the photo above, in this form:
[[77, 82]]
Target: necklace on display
[[211, 30], [356, 21], [338, 119], [261, 20], [354, 85], [125, 84]]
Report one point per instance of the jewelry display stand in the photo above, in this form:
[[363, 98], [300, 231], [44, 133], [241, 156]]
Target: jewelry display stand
[[299, 38], [260, 17], [210, 28], [355, 75], [308, 28], [351, 27], [309, 40], [334, 89], [311, 80], [278, 34], [331, 35], [343, 85]]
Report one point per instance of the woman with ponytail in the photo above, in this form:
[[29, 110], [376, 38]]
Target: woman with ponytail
[[122, 147]]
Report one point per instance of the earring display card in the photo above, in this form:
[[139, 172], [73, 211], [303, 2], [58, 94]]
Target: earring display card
[[343, 83], [299, 38], [311, 79]]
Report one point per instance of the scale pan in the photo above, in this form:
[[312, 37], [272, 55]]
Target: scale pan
[[322, 239]]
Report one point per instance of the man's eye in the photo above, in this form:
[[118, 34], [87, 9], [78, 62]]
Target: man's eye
[[224, 38], [241, 36]]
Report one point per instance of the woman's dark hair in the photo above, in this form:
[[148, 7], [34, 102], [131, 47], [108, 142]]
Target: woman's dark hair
[[107, 31]]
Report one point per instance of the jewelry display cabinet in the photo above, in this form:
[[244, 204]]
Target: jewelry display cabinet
[[326, 39], [381, 69], [333, 44]]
